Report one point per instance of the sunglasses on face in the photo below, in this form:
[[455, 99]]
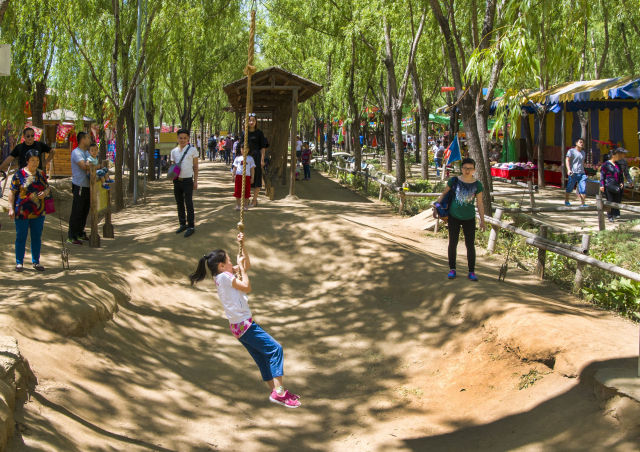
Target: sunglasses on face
[[252, 115]]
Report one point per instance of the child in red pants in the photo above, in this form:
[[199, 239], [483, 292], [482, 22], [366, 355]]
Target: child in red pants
[[237, 174]]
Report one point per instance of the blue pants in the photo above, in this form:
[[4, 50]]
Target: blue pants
[[264, 350], [438, 163], [579, 179], [307, 171], [22, 229]]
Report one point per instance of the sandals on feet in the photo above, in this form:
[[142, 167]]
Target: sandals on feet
[[38, 267], [19, 268]]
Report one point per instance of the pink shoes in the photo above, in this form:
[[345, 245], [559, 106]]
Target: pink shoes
[[287, 399]]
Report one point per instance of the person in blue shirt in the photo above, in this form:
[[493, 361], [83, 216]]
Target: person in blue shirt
[[80, 189]]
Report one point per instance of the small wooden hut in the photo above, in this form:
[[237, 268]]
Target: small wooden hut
[[61, 163], [276, 95]]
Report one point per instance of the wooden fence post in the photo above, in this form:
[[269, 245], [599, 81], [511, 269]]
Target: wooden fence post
[[577, 281], [402, 200], [94, 238], [493, 235], [107, 228], [531, 194], [366, 180], [542, 254], [381, 191], [600, 206]]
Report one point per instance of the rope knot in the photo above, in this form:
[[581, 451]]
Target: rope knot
[[248, 69]]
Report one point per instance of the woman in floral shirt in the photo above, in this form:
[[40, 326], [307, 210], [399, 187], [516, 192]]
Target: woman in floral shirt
[[29, 188]]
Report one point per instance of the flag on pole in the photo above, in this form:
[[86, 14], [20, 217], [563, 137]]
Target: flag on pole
[[452, 154], [341, 135], [374, 143]]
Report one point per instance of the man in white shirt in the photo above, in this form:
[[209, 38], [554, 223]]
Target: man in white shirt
[[185, 156]]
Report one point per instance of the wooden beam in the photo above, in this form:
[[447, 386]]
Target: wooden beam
[[276, 88], [294, 128]]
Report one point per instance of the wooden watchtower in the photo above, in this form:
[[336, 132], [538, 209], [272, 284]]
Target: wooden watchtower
[[276, 95]]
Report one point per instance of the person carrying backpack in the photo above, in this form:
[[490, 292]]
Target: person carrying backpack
[[462, 214]]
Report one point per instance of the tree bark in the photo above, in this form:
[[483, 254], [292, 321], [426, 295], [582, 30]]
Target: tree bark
[[423, 116], [542, 132], [466, 98], [386, 132], [526, 131], [37, 105], [131, 145], [3, 8], [627, 52], [605, 47], [118, 194]]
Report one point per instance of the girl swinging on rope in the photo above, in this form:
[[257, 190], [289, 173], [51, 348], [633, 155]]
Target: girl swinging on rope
[[233, 293]]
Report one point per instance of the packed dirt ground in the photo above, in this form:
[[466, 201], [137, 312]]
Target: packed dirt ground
[[386, 353]]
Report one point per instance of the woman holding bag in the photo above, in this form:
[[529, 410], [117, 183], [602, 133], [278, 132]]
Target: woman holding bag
[[612, 181], [29, 188]]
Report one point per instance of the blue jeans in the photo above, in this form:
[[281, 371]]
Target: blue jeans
[[438, 163], [579, 179], [307, 171], [22, 229], [264, 350]]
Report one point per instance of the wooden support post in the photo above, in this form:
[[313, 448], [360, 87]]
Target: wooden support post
[[493, 235], [402, 201], [531, 194], [436, 226], [294, 128], [107, 228], [578, 279], [542, 254], [381, 192], [600, 207], [94, 238]]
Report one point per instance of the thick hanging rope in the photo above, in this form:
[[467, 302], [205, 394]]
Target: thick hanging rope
[[249, 70]]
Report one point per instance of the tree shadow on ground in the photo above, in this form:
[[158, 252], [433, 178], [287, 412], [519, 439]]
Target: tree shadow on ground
[[333, 292], [556, 424]]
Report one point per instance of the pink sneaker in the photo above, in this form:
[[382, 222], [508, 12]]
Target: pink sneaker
[[287, 399]]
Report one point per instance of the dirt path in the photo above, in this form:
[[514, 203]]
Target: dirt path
[[386, 353]]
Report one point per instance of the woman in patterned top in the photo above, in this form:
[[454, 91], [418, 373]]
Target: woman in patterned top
[[29, 188], [612, 180]]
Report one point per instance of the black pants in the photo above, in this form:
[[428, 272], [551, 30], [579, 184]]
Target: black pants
[[227, 156], [183, 191], [613, 197], [79, 210], [469, 229]]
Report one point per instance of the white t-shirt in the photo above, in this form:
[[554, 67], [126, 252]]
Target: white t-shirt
[[237, 163], [186, 168], [234, 301], [298, 145]]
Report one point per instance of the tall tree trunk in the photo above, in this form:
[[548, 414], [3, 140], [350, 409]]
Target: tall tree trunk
[[627, 52], [329, 141], [151, 144], [202, 139], [388, 146], [526, 131], [118, 195], [131, 146], [542, 129], [37, 104]]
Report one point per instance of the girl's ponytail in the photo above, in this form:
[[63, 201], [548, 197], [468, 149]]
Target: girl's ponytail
[[210, 260], [200, 272]]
